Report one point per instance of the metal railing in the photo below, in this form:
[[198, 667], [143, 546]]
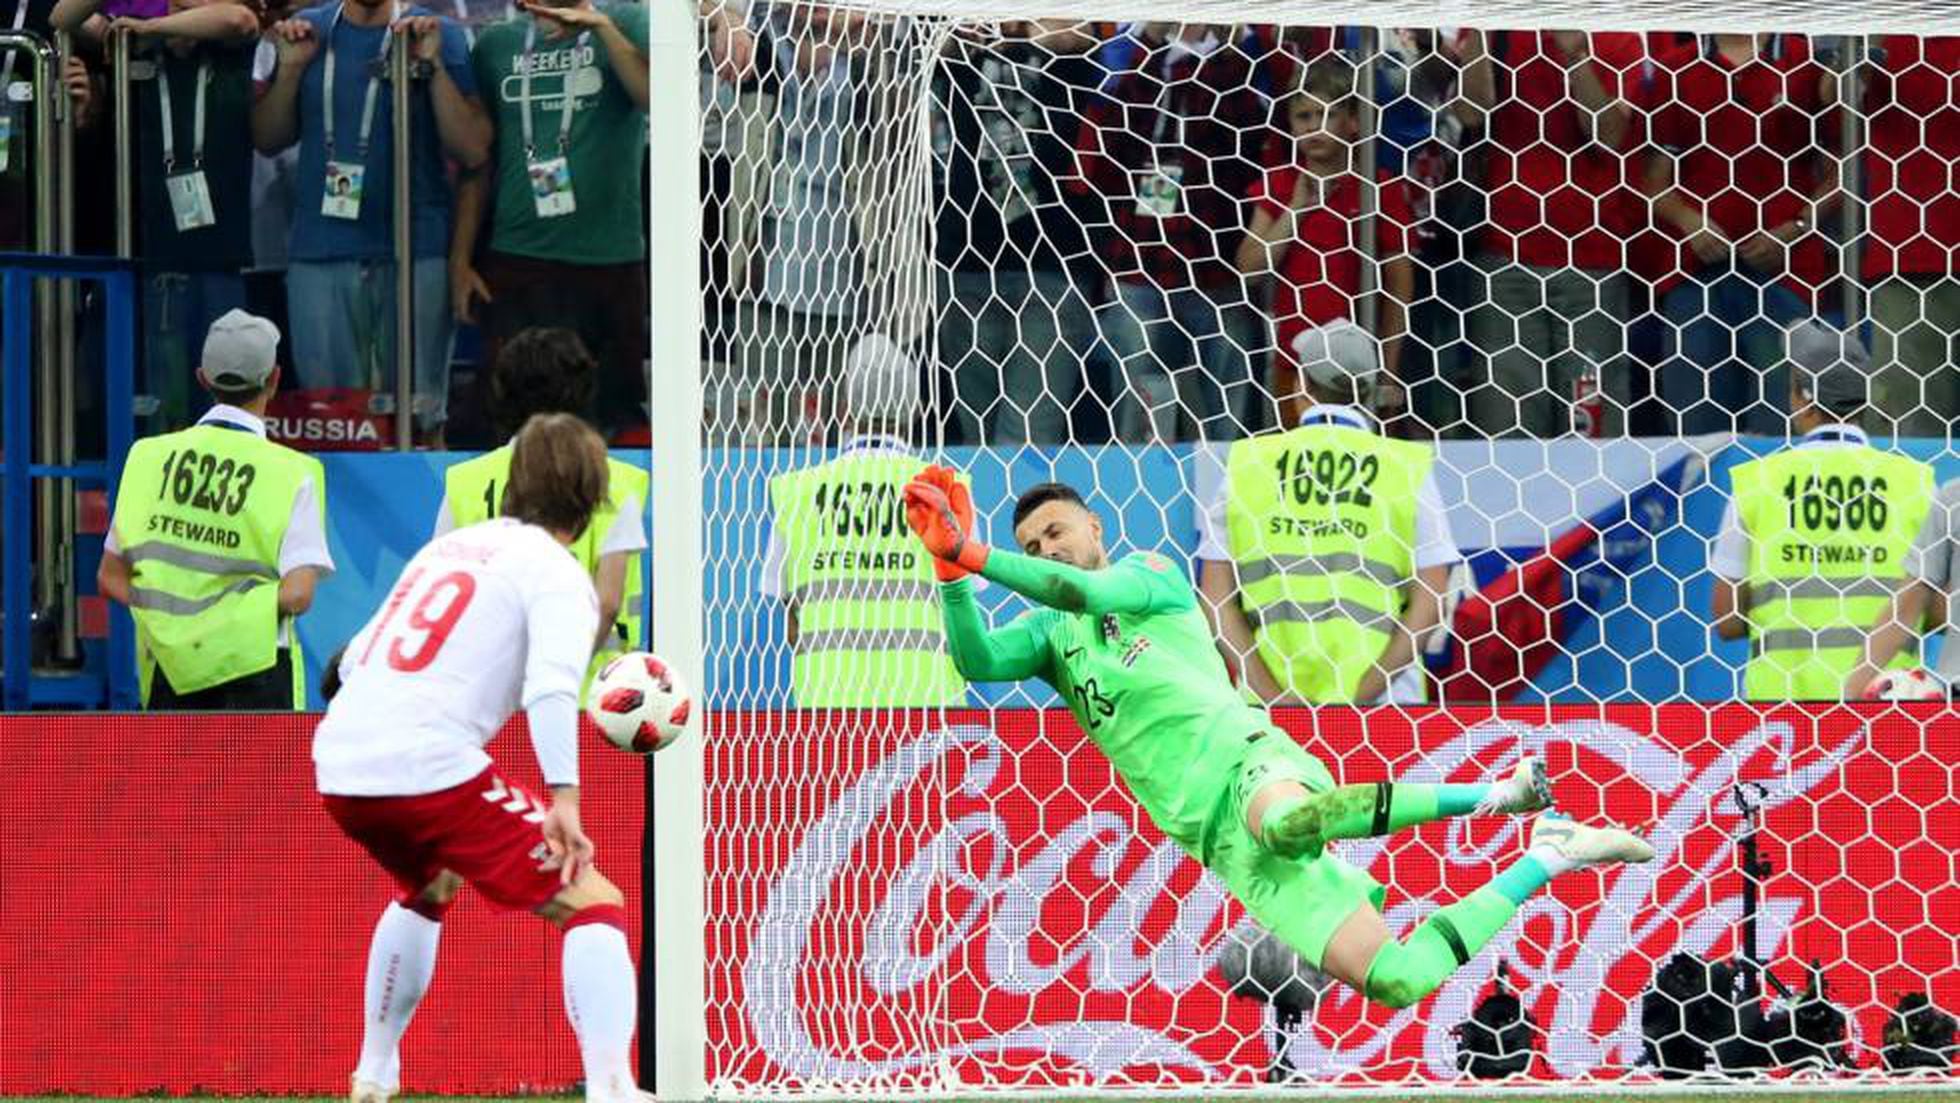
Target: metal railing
[[402, 210], [42, 388], [50, 308], [404, 229], [22, 477]]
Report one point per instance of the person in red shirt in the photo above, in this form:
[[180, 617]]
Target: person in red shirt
[[1560, 218], [1165, 154], [1306, 226], [1912, 246], [1739, 172]]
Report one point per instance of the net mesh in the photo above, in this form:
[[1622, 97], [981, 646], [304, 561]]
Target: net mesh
[[1566, 268]]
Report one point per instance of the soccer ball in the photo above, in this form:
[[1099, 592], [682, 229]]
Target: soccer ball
[[1905, 685], [639, 702]]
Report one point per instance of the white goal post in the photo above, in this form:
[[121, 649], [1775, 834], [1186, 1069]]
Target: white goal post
[[961, 901]]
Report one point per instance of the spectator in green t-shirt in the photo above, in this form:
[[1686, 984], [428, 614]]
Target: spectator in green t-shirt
[[566, 246]]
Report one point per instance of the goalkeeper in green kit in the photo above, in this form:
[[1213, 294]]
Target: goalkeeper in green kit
[[1127, 647]]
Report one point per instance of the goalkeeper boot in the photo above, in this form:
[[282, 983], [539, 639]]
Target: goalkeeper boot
[[1528, 789], [1562, 844], [365, 1092]]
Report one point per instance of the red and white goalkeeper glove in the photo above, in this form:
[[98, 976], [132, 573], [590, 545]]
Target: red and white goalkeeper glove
[[940, 511]]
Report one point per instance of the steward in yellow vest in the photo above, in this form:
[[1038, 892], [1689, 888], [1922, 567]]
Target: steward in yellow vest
[[862, 609], [1813, 545], [549, 371], [1325, 552], [218, 540]]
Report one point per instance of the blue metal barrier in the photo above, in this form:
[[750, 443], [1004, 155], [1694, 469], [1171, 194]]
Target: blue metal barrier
[[111, 677]]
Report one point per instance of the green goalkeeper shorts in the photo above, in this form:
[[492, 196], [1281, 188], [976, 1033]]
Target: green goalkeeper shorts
[[1302, 900]]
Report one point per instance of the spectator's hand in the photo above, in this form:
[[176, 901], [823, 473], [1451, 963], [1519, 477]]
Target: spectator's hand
[[296, 42], [129, 25], [466, 286], [1708, 246], [1306, 192], [1575, 45], [81, 87], [424, 36], [731, 50], [1762, 252], [566, 21]]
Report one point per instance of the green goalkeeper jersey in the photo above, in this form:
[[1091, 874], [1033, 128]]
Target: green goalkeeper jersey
[[1131, 653]]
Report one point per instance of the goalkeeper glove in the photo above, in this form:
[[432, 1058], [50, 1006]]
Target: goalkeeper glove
[[940, 511]]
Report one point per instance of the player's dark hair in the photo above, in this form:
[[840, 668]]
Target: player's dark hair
[[1040, 495], [330, 677], [557, 474], [541, 370]]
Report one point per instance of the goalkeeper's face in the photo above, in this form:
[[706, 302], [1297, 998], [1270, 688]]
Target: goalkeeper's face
[[1065, 532]]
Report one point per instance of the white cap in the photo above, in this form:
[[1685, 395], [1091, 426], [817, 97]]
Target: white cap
[[239, 351], [1337, 356], [881, 382]]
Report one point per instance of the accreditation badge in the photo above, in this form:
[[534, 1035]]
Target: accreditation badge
[[341, 197], [551, 187], [190, 200], [1158, 191]]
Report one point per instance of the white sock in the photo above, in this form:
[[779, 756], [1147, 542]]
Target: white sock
[[601, 999], [1554, 862], [401, 960]]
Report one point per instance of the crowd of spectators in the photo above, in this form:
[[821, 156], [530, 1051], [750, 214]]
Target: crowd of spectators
[[264, 172], [1132, 224], [1098, 232]]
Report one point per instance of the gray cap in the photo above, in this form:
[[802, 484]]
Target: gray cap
[[239, 351], [1829, 366], [1337, 356], [881, 382]]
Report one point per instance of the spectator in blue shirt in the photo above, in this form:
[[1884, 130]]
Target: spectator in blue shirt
[[341, 279]]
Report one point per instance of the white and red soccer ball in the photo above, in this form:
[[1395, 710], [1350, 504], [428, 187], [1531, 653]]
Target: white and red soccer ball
[[639, 702], [1905, 685]]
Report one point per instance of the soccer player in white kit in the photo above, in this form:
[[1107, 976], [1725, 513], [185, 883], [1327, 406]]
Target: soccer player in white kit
[[484, 620]]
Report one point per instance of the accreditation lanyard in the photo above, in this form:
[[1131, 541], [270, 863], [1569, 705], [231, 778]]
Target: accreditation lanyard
[[373, 91], [170, 157], [570, 92]]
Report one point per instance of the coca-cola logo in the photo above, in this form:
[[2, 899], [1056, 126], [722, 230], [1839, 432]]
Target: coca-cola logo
[[936, 913]]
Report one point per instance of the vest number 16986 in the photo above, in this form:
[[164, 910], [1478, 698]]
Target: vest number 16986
[[1836, 502]]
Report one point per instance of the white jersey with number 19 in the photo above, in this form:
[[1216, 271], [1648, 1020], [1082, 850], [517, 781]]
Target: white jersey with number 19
[[484, 620]]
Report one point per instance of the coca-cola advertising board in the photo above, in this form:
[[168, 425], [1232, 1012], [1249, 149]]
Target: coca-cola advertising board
[[965, 900], [976, 902]]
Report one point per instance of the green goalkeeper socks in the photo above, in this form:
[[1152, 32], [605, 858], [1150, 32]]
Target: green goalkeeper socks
[[1405, 972], [1305, 826]]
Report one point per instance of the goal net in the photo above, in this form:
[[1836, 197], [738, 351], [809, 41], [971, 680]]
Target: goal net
[[1562, 270]]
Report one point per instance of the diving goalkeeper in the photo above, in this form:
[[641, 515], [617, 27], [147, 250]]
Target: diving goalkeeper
[[1127, 647]]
